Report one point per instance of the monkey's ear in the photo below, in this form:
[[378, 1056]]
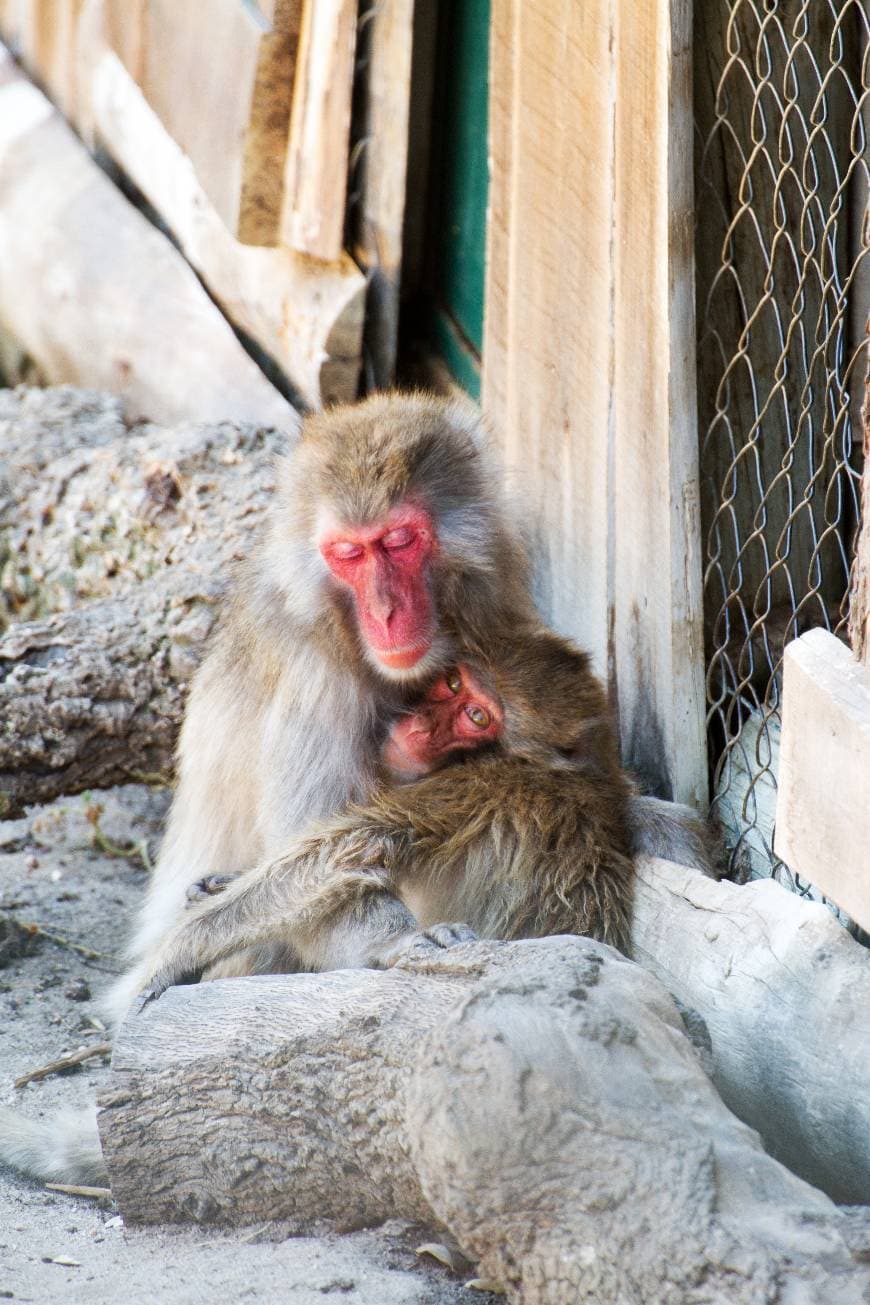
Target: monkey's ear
[[465, 416]]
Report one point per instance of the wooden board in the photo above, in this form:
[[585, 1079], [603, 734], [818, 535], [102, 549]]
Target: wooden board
[[823, 805], [859, 605], [315, 178], [589, 349], [220, 80], [44, 31], [380, 178], [307, 316], [96, 294]]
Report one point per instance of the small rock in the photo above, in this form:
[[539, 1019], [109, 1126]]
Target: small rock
[[78, 990], [15, 940]]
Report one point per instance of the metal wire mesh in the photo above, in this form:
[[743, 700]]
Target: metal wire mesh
[[781, 98]]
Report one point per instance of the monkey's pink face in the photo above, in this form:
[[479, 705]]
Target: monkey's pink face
[[456, 715], [387, 566]]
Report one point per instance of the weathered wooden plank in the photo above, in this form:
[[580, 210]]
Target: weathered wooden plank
[[823, 802], [784, 992], [656, 610], [315, 177], [307, 316], [221, 83], [546, 349], [859, 604], [44, 31], [96, 294], [387, 38], [589, 348]]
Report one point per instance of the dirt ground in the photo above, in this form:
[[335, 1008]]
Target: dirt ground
[[55, 1247]]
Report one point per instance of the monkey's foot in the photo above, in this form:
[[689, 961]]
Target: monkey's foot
[[208, 887], [166, 977], [416, 946]]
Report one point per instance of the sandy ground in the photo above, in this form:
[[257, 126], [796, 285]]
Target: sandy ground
[[52, 875]]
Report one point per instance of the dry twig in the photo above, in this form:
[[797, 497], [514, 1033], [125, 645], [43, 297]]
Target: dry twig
[[62, 1063]]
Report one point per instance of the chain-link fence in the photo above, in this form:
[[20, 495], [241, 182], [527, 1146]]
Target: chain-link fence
[[781, 100]]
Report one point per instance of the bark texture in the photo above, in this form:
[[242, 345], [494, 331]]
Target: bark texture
[[539, 1099], [784, 994], [115, 544]]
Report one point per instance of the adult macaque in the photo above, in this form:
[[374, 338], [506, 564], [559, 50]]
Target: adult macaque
[[386, 535], [526, 837]]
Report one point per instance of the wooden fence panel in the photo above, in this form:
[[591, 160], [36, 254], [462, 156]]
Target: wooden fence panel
[[588, 375]]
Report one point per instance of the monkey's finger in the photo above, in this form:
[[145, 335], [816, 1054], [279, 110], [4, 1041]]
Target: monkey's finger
[[167, 977], [429, 942], [449, 935], [210, 886]]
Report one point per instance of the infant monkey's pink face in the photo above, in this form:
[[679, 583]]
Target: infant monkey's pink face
[[456, 714]]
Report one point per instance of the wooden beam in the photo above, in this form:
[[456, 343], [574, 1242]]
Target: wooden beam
[[96, 294], [315, 178], [387, 38], [589, 347], [823, 802], [784, 992], [221, 83], [307, 316], [859, 605]]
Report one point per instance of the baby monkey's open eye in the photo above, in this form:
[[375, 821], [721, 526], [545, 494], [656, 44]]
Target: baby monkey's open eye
[[478, 716], [454, 681]]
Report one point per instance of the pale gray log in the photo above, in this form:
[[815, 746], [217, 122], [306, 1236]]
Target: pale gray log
[[785, 993], [539, 1099], [124, 539]]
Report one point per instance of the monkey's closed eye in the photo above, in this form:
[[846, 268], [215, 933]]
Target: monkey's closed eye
[[399, 538], [478, 717], [454, 681]]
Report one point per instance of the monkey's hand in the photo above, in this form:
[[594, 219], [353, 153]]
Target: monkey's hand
[[209, 887], [412, 948]]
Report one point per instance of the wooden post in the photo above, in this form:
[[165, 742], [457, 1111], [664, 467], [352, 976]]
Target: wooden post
[[315, 178], [381, 177], [859, 607], [589, 348]]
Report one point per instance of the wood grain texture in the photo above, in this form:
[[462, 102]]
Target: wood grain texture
[[96, 294], [315, 177], [220, 79], [784, 992], [537, 1099], [307, 316], [387, 37], [859, 597], [44, 32], [589, 349], [823, 800]]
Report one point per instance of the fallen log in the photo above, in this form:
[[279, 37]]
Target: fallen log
[[145, 524], [539, 1100], [784, 992]]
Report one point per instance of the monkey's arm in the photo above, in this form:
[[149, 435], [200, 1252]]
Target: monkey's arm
[[331, 898]]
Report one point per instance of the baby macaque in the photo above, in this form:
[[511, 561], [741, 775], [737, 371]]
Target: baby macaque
[[524, 833]]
